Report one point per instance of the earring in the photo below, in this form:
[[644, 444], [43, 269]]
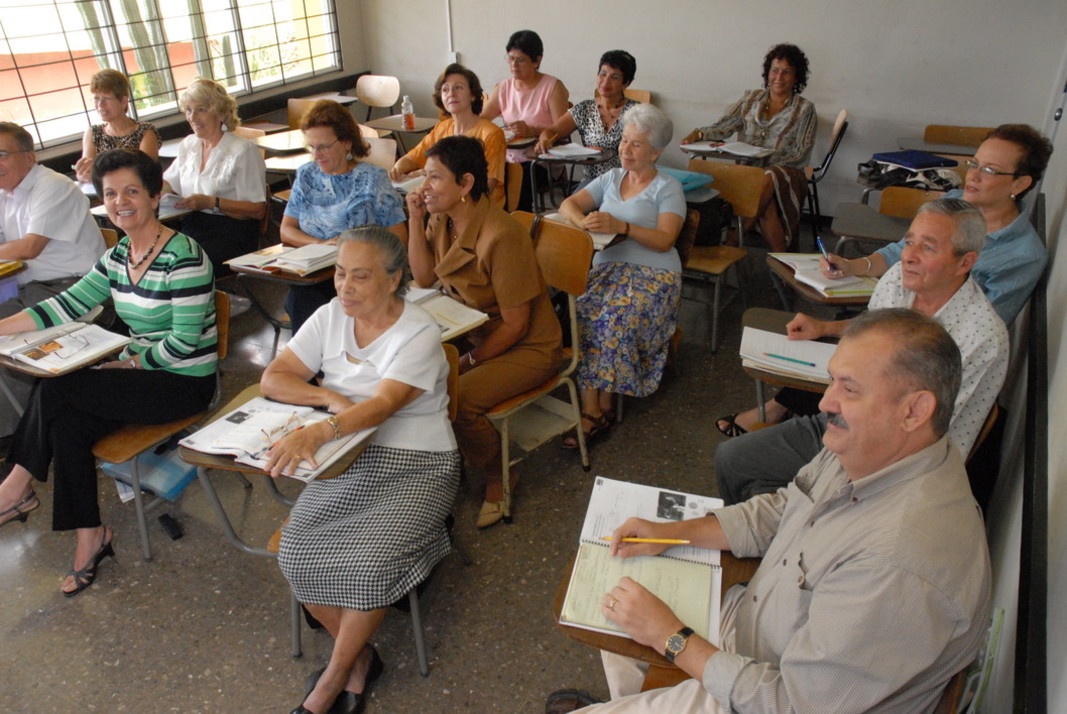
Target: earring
[[1013, 196], [224, 127], [462, 199], [349, 157]]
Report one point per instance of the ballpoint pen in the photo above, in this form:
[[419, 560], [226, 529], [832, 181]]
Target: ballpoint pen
[[822, 249], [664, 541]]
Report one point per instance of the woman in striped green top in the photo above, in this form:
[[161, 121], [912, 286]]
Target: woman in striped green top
[[163, 289]]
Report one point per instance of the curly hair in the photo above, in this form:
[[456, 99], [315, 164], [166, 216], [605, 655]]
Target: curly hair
[[147, 169], [796, 59], [328, 113], [212, 95], [472, 83]]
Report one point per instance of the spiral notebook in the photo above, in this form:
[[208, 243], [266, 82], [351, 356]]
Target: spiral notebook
[[687, 578]]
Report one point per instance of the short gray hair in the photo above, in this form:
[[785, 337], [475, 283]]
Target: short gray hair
[[650, 120], [394, 255], [211, 94], [926, 357], [22, 138], [970, 232]]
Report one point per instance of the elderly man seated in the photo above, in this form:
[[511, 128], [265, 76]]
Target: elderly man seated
[[874, 588], [932, 277], [44, 222]]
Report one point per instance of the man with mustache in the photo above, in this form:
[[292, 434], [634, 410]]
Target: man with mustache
[[874, 588], [933, 278]]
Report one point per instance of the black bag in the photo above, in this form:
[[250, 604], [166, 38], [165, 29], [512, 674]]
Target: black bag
[[715, 216]]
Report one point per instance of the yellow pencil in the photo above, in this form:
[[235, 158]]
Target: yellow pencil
[[665, 541]]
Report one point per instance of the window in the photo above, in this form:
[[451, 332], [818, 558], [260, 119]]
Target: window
[[49, 50]]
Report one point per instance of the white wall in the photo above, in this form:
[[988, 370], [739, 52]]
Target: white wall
[[896, 66]]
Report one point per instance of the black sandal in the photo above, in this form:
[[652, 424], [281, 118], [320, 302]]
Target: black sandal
[[732, 428], [599, 428], [86, 576]]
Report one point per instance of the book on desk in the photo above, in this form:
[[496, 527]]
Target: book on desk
[[248, 432], [806, 270], [687, 578], [63, 348], [302, 261], [600, 240], [453, 317], [774, 352], [736, 148]]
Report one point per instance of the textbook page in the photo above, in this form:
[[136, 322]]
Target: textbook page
[[64, 348], [802, 358]]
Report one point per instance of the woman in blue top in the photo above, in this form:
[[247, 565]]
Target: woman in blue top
[[333, 193], [629, 310]]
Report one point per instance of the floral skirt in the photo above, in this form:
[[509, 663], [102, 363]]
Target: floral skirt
[[625, 322]]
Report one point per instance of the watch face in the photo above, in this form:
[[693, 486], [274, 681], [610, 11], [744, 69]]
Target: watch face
[[675, 643]]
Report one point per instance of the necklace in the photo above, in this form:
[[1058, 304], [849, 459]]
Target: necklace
[[144, 257]]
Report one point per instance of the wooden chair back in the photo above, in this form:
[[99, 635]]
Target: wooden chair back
[[110, 236], [452, 355], [904, 202], [513, 178], [963, 135], [737, 184], [382, 152], [297, 108], [563, 252], [248, 133], [377, 90], [638, 95], [368, 133], [222, 323]]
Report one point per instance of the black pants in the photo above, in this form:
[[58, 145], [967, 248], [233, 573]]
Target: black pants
[[303, 300], [67, 415], [221, 237], [799, 401]]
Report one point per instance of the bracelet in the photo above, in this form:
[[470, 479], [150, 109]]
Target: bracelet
[[335, 422], [218, 208], [868, 270], [627, 231], [470, 359]]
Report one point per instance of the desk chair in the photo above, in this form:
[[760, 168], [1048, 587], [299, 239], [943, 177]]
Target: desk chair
[[296, 109], [638, 95], [413, 602], [382, 152], [962, 135], [564, 254], [248, 133], [367, 132], [816, 174], [739, 185], [859, 222], [377, 90], [132, 440], [110, 236]]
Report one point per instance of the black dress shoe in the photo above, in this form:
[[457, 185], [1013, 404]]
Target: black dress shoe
[[300, 710], [348, 703]]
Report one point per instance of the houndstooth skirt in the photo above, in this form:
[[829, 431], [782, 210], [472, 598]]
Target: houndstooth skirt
[[362, 540]]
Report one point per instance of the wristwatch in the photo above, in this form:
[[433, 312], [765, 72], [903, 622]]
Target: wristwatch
[[676, 643], [218, 209]]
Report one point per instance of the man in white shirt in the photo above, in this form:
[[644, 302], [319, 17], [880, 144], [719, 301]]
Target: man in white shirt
[[44, 222]]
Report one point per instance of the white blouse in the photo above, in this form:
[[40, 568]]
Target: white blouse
[[234, 170]]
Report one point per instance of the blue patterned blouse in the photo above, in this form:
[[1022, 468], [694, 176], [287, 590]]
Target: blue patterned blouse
[[326, 204]]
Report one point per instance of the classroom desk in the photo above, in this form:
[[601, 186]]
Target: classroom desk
[[548, 161], [394, 124], [169, 148], [785, 275], [282, 142], [333, 97], [774, 321], [860, 222], [757, 160], [917, 143], [661, 673], [287, 164]]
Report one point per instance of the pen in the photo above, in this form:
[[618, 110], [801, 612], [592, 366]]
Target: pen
[[788, 359], [665, 541], [822, 249]]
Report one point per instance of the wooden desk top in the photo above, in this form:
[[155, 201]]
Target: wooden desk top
[[288, 163], [227, 463], [763, 318], [590, 160], [395, 122], [283, 142], [788, 275]]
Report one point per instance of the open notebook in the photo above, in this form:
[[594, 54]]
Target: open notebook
[[687, 578]]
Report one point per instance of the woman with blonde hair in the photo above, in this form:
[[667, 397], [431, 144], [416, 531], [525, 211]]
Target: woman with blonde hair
[[220, 177]]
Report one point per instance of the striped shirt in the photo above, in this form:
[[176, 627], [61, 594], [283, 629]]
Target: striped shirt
[[170, 312]]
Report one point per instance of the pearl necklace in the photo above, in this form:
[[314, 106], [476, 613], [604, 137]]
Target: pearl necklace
[[144, 257]]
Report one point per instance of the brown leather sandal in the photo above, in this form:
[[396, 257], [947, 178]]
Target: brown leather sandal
[[600, 427]]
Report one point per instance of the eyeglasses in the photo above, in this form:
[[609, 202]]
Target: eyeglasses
[[973, 165], [6, 154], [315, 148]]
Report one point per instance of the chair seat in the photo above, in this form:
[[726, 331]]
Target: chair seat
[[504, 408], [131, 439], [715, 259]]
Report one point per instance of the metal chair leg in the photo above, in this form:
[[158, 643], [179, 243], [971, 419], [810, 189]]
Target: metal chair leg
[[297, 648], [416, 627], [142, 522]]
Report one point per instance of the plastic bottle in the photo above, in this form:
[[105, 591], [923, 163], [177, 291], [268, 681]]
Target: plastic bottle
[[408, 113]]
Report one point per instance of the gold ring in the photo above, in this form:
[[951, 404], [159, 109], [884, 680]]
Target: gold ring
[[612, 605]]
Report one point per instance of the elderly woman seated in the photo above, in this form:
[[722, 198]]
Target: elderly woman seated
[[777, 118], [357, 543], [334, 192], [161, 284], [111, 96], [459, 94], [485, 259], [220, 177], [630, 308]]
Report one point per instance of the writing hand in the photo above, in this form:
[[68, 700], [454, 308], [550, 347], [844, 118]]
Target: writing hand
[[636, 528], [840, 267]]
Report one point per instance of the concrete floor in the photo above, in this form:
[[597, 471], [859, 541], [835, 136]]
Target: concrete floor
[[204, 627]]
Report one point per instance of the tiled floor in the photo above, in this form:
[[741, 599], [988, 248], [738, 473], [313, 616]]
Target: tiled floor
[[204, 627]]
